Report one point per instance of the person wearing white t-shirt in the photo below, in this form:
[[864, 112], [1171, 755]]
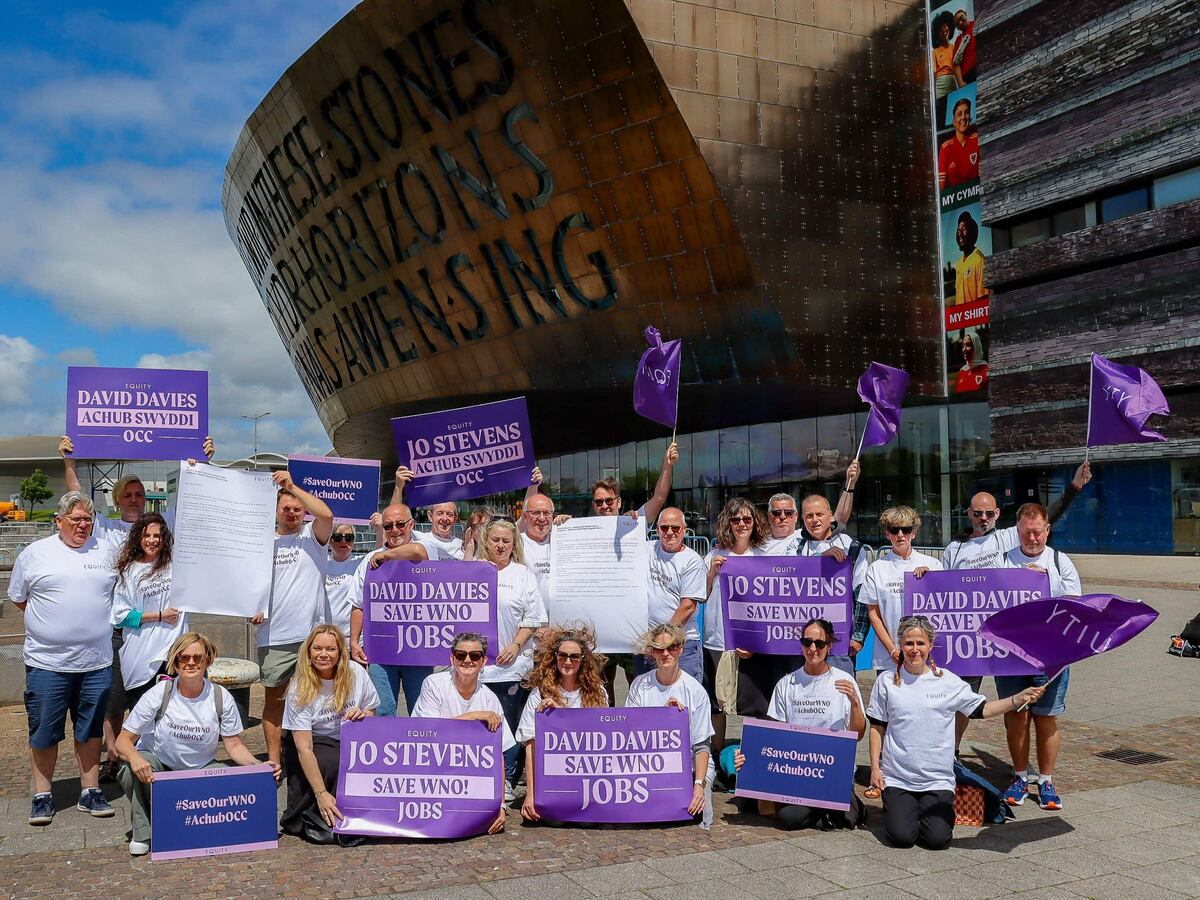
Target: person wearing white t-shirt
[[63, 585], [327, 690], [178, 725], [1034, 552], [458, 694], [297, 601], [676, 588], [814, 696], [783, 516], [440, 543], [912, 713], [669, 685], [536, 527], [883, 588], [565, 676], [339, 576]]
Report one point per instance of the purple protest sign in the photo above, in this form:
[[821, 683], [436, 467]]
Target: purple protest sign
[[419, 778], [767, 599], [656, 382], [959, 601], [1122, 398], [613, 765], [411, 611], [468, 452], [137, 413], [882, 388]]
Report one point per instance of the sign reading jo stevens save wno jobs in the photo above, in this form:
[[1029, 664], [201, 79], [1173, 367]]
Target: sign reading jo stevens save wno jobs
[[137, 413], [419, 778], [794, 764], [457, 454], [210, 812], [958, 601]]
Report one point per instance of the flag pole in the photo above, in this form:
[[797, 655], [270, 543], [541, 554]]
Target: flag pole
[[1087, 445], [862, 437], [675, 427]]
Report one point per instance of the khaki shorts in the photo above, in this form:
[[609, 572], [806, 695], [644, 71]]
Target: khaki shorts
[[277, 664]]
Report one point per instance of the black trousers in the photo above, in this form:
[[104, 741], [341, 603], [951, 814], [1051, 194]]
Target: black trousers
[[918, 817], [300, 796], [757, 677]]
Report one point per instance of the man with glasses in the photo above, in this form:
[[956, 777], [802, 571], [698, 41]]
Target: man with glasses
[[63, 585], [398, 543], [606, 493], [676, 588], [537, 522], [784, 518], [440, 543]]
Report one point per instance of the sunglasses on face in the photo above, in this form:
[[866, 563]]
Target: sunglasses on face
[[985, 513], [783, 513], [672, 648], [814, 642], [342, 539], [741, 520], [569, 657], [900, 529], [184, 658], [389, 526], [604, 501], [472, 655], [670, 529]]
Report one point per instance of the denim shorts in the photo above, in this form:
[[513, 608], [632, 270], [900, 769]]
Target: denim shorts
[[49, 696], [1053, 702]]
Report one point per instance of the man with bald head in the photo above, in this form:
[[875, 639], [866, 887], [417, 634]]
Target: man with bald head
[[675, 589], [440, 543], [537, 520], [398, 544]]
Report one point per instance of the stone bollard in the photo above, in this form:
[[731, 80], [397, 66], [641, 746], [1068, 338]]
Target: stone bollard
[[236, 676]]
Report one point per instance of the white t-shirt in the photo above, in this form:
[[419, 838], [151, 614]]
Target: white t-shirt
[[360, 575], [537, 559], [984, 552], [439, 548], [297, 588], [114, 532], [69, 597], [1064, 577], [339, 590], [671, 578], [813, 701], [525, 728], [319, 716], [647, 690], [714, 618], [884, 587], [145, 648], [187, 735], [440, 699], [843, 542], [918, 745], [784, 546], [519, 604]]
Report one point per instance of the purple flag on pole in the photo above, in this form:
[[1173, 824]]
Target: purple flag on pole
[[882, 388], [1122, 399], [656, 384], [1051, 634]]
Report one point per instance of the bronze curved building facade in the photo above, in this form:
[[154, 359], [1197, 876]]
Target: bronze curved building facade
[[446, 201]]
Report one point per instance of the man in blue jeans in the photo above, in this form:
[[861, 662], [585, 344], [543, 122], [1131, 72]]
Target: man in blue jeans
[[388, 680], [63, 584]]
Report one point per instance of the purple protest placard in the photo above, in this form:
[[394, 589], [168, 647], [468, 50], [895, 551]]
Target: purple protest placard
[[419, 778], [411, 611], [349, 486], [767, 599], [137, 413], [959, 601], [656, 382], [468, 452], [613, 765]]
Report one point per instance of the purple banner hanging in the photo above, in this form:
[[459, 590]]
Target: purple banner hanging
[[419, 778], [613, 765], [767, 599], [656, 382], [959, 601], [411, 611], [137, 413]]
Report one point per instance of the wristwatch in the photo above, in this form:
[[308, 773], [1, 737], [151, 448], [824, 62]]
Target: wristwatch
[[699, 783]]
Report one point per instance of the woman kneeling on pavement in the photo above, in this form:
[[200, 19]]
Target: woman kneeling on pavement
[[815, 696], [178, 725], [326, 690], [912, 725]]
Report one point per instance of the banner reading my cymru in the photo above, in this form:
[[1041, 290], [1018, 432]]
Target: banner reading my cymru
[[959, 601], [767, 600], [349, 486], [209, 812], [419, 778], [613, 765], [137, 413], [411, 611], [793, 764], [468, 452]]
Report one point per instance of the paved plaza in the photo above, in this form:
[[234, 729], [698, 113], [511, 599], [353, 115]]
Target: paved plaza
[[1127, 831]]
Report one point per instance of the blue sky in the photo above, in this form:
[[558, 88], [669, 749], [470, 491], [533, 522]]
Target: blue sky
[[116, 121]]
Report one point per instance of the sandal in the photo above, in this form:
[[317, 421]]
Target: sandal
[[872, 792]]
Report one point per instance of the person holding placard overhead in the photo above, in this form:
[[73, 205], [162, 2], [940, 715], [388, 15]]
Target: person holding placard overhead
[[297, 601], [339, 576]]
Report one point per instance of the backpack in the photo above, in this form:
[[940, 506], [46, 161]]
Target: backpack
[[1191, 631], [218, 701]]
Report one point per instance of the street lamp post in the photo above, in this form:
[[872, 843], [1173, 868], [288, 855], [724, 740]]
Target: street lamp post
[[255, 420]]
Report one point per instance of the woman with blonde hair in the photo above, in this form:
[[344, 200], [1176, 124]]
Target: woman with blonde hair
[[326, 690]]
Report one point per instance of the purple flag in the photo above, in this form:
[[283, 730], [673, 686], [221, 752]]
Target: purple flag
[[959, 602], [1051, 634], [1122, 399], [656, 384], [767, 599], [613, 765], [882, 388], [419, 778], [411, 611]]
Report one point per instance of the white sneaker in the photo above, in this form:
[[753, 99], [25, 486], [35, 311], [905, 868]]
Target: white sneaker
[[137, 848], [509, 796]]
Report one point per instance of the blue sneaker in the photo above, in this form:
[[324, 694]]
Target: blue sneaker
[[42, 812], [1048, 797], [93, 802], [1017, 791]]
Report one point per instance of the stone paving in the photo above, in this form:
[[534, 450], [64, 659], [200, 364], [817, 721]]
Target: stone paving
[[1126, 831]]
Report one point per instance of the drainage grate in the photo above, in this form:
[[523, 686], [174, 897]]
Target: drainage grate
[[1133, 757]]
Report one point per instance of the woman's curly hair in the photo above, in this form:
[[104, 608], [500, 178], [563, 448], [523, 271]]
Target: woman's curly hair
[[545, 676]]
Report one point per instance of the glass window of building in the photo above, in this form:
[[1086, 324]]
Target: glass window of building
[[1024, 233], [682, 476], [735, 455], [836, 443], [1127, 203], [627, 463], [1001, 239], [706, 459], [799, 450], [1068, 220], [1177, 188], [766, 461], [566, 474]]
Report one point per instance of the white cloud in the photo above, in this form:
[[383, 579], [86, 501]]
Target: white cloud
[[78, 356], [17, 357]]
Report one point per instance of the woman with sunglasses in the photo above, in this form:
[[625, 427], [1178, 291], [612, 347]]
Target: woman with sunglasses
[[566, 674], [339, 576], [177, 725], [816, 696], [883, 588], [457, 694], [472, 537], [912, 713]]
